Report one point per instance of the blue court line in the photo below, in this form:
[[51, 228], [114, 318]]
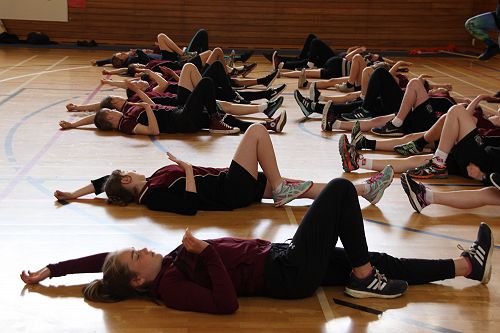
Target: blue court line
[[39, 186], [429, 233], [9, 97], [158, 144]]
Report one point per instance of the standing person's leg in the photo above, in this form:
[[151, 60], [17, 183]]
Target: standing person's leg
[[199, 42], [256, 149], [478, 26], [334, 215]]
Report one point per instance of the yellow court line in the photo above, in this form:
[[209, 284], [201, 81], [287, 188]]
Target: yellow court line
[[320, 293]]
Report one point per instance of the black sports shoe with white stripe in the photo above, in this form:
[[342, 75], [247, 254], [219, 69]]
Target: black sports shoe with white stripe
[[375, 285], [480, 253]]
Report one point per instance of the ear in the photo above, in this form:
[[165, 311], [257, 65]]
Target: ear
[[137, 282], [126, 179]]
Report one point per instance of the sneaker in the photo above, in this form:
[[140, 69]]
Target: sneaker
[[495, 179], [230, 59], [480, 253], [244, 56], [415, 192], [185, 56], [275, 92], [388, 130], [357, 114], [349, 154], [328, 117], [277, 124], [247, 69], [218, 126], [430, 170], [375, 285], [269, 78], [314, 93], [342, 87], [290, 191], [356, 136], [273, 106], [378, 183], [304, 103], [491, 51], [408, 149], [302, 82]]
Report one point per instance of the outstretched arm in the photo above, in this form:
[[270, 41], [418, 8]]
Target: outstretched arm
[[84, 107], [118, 84], [82, 122]]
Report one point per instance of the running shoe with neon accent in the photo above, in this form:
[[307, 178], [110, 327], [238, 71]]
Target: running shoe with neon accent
[[356, 136], [375, 285], [430, 170], [378, 183], [480, 254], [408, 149], [348, 154], [290, 191], [415, 192]]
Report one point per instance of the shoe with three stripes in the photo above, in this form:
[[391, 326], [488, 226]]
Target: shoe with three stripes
[[375, 285], [480, 253]]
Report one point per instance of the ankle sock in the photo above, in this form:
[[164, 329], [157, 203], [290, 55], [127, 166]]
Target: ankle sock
[[440, 157], [262, 107], [397, 122], [310, 64]]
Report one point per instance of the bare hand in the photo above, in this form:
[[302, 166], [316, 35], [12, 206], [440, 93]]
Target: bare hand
[[60, 195], [65, 124], [184, 165], [71, 107], [405, 63], [106, 81], [193, 244], [474, 172], [424, 76], [93, 62], [35, 277], [105, 72]]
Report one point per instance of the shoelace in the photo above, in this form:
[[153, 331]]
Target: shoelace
[[375, 178], [381, 280], [472, 249]]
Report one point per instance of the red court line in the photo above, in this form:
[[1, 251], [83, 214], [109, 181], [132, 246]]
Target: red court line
[[28, 166]]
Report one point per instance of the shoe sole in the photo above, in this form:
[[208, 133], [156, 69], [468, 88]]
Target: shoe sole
[[346, 164], [411, 196], [301, 106], [287, 200], [384, 186], [276, 107], [302, 79], [272, 80], [444, 176], [356, 133], [364, 294], [487, 265], [233, 131], [312, 92], [281, 123]]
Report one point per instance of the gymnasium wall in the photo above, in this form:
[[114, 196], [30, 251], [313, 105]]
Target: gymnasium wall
[[268, 24]]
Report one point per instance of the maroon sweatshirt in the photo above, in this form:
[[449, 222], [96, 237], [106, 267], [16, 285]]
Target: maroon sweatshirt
[[207, 282]]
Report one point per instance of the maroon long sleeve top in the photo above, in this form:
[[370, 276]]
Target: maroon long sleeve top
[[207, 282]]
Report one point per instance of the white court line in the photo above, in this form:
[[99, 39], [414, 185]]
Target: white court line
[[47, 71], [18, 64], [459, 79], [320, 293]]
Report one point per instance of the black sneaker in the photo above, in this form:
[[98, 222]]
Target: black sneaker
[[305, 104], [415, 192], [269, 78], [275, 92], [247, 69], [357, 114], [244, 56], [375, 285], [273, 106], [314, 93], [480, 253], [388, 130], [495, 179], [490, 52], [429, 170]]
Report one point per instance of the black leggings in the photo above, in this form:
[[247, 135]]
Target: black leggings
[[297, 269], [383, 94], [199, 42]]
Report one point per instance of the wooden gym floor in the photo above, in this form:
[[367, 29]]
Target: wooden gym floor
[[37, 158]]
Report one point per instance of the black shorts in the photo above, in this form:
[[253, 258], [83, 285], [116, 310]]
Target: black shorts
[[240, 189], [471, 149], [334, 67], [426, 114]]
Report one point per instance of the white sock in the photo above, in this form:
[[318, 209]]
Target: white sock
[[397, 122], [365, 163], [440, 157], [262, 107], [336, 124], [310, 64], [429, 196]]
